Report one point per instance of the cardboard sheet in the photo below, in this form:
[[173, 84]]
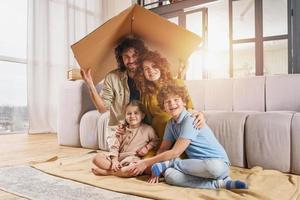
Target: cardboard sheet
[[96, 50]]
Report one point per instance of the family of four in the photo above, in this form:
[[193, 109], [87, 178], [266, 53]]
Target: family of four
[[154, 129]]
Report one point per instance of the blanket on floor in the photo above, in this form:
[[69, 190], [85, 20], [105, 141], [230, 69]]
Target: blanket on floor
[[263, 184]]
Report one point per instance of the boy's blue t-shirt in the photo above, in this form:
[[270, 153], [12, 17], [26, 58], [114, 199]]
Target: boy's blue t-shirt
[[204, 144]]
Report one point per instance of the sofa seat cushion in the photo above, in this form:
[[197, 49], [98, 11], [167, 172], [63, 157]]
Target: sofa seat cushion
[[94, 130], [89, 129]]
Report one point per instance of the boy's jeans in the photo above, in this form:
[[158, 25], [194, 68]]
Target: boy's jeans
[[196, 173]]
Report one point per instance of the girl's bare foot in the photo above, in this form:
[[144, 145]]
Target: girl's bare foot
[[99, 172], [102, 172]]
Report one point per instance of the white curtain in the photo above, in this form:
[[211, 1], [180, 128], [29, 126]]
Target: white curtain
[[53, 26]]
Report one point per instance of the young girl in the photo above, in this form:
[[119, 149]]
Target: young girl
[[138, 140]]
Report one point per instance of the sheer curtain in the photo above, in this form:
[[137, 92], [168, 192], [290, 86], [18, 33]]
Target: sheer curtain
[[53, 26]]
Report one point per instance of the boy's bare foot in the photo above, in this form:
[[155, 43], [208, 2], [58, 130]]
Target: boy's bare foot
[[99, 172]]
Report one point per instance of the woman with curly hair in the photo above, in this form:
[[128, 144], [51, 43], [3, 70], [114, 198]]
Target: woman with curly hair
[[153, 74]]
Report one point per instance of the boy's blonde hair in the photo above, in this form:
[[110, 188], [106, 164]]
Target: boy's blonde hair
[[171, 90]]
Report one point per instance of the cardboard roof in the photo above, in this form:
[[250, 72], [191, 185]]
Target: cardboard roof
[[96, 50]]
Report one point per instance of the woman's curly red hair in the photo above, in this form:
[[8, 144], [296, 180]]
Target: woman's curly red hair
[[149, 87]]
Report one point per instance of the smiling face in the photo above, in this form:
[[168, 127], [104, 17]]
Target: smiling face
[[174, 105], [134, 116], [130, 58], [151, 72]]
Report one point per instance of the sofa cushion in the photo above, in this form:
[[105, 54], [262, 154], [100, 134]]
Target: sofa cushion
[[196, 91], [228, 128], [282, 92], [268, 137], [72, 104], [218, 95], [295, 143], [249, 94]]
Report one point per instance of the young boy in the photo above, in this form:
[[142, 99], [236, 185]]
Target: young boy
[[207, 165]]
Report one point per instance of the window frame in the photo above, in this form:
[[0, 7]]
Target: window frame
[[181, 14]]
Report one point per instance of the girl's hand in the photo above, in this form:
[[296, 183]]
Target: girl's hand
[[153, 179], [115, 166], [143, 151], [199, 121]]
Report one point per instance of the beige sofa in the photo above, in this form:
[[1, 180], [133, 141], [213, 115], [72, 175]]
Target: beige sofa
[[256, 119]]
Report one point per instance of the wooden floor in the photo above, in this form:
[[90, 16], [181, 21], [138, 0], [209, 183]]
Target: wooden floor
[[18, 149]]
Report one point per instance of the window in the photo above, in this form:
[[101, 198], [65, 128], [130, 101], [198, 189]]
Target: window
[[196, 23], [275, 11], [217, 57], [243, 19], [259, 39], [210, 21], [211, 59], [275, 57], [256, 30], [13, 66], [244, 59]]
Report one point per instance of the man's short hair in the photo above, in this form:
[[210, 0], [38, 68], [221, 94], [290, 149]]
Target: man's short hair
[[124, 45], [171, 90]]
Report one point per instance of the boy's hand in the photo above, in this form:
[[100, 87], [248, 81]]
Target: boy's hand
[[143, 151], [199, 121], [153, 179], [137, 168], [115, 165]]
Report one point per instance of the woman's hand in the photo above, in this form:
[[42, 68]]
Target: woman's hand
[[121, 129], [87, 76], [137, 168], [199, 121], [153, 179], [115, 165]]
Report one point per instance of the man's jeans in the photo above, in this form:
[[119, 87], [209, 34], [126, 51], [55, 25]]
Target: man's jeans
[[196, 173]]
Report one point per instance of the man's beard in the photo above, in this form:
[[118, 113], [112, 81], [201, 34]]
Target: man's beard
[[131, 68]]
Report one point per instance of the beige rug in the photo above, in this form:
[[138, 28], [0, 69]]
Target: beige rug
[[263, 184]]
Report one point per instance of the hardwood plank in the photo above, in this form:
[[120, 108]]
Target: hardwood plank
[[20, 149]]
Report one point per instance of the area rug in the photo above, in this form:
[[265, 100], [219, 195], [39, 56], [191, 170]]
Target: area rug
[[263, 184], [31, 183]]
